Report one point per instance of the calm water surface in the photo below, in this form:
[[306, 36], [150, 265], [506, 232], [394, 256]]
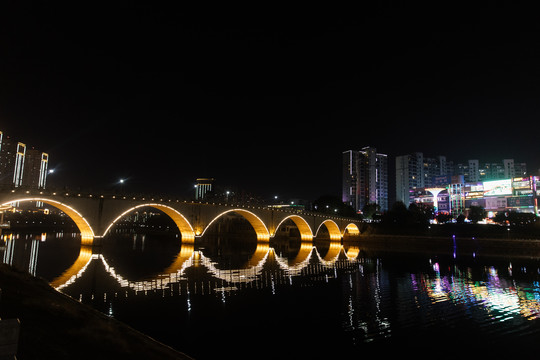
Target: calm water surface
[[286, 299]]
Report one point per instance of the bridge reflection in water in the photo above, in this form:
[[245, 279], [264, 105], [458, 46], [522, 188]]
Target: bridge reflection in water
[[264, 255], [313, 285]]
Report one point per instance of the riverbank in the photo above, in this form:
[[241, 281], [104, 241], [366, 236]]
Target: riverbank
[[488, 231], [452, 244], [55, 326]]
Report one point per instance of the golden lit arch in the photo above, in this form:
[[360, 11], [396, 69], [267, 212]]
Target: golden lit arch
[[333, 229], [182, 257], [258, 255], [333, 251], [181, 222], [77, 268], [306, 234], [352, 252], [87, 234], [352, 229], [258, 225], [303, 254]]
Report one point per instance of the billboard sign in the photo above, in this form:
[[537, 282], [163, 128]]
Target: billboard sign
[[521, 201], [521, 183], [474, 194], [478, 186], [443, 180], [498, 187]]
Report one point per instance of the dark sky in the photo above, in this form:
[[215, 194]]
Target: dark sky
[[264, 100]]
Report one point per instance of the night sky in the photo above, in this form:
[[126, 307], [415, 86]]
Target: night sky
[[264, 100]]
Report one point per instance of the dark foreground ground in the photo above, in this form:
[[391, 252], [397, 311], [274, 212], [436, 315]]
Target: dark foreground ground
[[54, 326]]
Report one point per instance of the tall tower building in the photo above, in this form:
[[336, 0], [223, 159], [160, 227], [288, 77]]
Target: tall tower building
[[35, 169], [7, 159], [509, 169], [365, 178], [43, 170], [18, 172], [409, 175], [414, 171], [203, 187], [350, 158], [474, 171]]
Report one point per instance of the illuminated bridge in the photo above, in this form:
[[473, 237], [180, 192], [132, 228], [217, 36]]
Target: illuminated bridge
[[94, 215]]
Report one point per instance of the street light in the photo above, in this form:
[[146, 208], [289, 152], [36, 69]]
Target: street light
[[121, 182]]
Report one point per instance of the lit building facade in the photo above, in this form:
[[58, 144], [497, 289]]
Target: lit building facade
[[7, 159], [365, 178], [18, 171], [35, 169], [476, 171], [414, 171], [349, 176], [21, 167], [409, 176], [203, 187], [515, 194]]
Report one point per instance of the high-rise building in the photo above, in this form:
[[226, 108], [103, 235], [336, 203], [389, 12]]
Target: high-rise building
[[203, 187], [475, 171], [43, 170], [35, 169], [350, 158], [365, 178], [409, 175], [520, 169], [18, 172], [7, 159], [414, 171], [21, 167]]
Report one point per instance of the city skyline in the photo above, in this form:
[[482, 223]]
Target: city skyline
[[161, 96]]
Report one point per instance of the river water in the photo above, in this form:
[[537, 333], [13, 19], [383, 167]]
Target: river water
[[233, 297]]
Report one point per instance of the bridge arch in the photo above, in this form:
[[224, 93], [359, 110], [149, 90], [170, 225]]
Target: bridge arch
[[352, 229], [333, 229], [186, 230], [306, 234], [87, 233], [258, 225]]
